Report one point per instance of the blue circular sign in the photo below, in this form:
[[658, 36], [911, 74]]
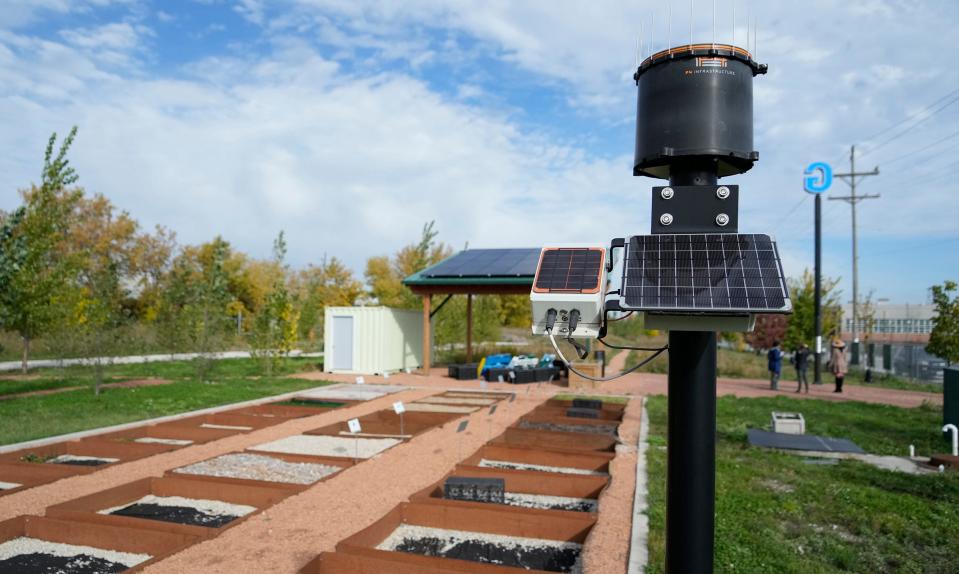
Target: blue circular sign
[[818, 177]]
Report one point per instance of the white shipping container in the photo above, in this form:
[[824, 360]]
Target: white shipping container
[[372, 340]]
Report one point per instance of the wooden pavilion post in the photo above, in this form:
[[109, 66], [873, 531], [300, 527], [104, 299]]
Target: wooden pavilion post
[[469, 327], [427, 337]]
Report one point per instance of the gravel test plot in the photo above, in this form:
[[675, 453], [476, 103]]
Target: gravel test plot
[[609, 430], [546, 502], [154, 440], [31, 556], [485, 463], [193, 511], [432, 408], [516, 552], [225, 427], [9, 485], [457, 401], [260, 467], [319, 445], [81, 460], [352, 392]]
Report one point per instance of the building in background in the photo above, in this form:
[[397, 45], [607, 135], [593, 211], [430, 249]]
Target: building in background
[[892, 340]]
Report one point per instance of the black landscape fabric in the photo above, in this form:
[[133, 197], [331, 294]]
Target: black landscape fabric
[[513, 555], [177, 514], [768, 439], [40, 563]]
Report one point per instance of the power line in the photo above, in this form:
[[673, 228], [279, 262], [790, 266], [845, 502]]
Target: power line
[[922, 120], [922, 149]]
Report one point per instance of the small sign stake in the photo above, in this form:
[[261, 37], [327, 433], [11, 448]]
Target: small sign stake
[[355, 428], [360, 381], [459, 431], [399, 409]]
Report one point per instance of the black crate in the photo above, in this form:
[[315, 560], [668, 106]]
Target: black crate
[[493, 375], [581, 413], [544, 374], [452, 371], [475, 489], [525, 376], [467, 371], [588, 404]]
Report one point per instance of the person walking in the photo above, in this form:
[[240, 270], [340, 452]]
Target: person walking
[[801, 361], [837, 363], [775, 359]]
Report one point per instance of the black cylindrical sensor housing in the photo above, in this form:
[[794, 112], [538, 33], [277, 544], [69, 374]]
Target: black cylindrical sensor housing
[[695, 105]]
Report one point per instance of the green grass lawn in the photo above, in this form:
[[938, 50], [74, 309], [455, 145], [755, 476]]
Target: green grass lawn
[[774, 513], [233, 380]]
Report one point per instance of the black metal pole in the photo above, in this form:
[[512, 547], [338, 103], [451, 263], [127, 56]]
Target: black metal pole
[[691, 454], [817, 344]]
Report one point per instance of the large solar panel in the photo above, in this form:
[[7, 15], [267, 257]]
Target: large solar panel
[[488, 263], [704, 273], [568, 270]]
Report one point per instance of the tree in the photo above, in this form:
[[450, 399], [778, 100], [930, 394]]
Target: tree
[[329, 284], [35, 267], [193, 309], [768, 329], [275, 328], [944, 338], [385, 276], [802, 323]]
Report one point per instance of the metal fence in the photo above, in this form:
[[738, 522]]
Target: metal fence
[[906, 360]]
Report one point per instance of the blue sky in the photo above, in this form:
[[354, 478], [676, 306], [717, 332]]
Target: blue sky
[[349, 123]]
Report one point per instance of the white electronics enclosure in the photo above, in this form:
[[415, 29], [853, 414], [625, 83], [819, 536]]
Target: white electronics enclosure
[[571, 280]]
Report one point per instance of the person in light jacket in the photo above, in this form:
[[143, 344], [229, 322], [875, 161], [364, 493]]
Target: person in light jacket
[[837, 363]]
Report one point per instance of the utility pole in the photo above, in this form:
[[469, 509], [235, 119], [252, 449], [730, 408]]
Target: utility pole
[[852, 199]]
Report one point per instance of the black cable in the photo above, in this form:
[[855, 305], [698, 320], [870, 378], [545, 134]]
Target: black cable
[[612, 346]]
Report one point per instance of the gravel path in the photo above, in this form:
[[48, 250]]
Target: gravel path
[[260, 467], [24, 545], [507, 464], [321, 445], [206, 506], [283, 538]]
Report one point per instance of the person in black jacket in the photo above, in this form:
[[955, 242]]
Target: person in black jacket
[[801, 362]]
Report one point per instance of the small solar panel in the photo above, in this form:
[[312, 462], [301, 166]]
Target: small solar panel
[[704, 273], [487, 263], [570, 270]]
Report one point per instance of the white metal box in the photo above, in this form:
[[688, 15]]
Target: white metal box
[[789, 423]]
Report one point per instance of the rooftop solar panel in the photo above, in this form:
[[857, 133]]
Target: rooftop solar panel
[[487, 263], [569, 270], [704, 273]]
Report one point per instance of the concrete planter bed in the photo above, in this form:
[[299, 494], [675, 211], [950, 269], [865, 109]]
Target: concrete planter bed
[[174, 505], [567, 424], [347, 392], [527, 459], [293, 408], [525, 489], [386, 423], [474, 539], [552, 412], [85, 453], [477, 395], [170, 434], [230, 420], [17, 476], [343, 563], [461, 401], [30, 544], [275, 470], [617, 408], [557, 441], [328, 446]]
